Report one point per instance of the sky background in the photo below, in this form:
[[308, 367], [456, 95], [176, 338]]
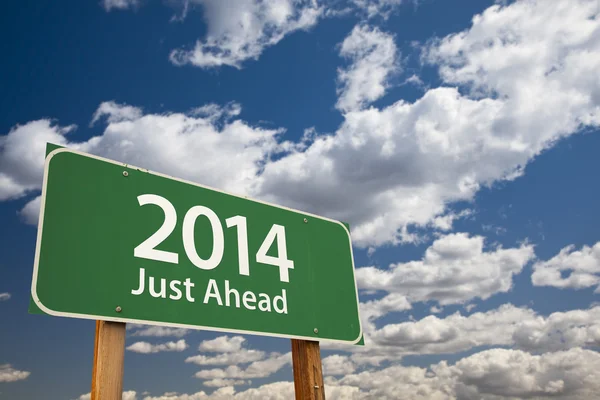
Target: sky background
[[458, 138]]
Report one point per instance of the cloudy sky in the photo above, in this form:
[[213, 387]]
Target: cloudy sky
[[458, 139]]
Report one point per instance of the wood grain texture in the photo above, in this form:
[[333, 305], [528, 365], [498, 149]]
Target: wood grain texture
[[109, 355], [308, 373]]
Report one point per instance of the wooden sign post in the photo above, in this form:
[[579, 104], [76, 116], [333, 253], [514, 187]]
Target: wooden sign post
[[109, 354], [308, 372]]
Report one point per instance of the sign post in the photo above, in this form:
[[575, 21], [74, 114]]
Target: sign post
[[308, 374], [109, 354], [118, 243]]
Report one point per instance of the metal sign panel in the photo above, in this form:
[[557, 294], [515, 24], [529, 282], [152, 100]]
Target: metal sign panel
[[121, 243]]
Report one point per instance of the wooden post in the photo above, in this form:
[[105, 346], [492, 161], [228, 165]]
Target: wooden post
[[308, 373], [109, 354]]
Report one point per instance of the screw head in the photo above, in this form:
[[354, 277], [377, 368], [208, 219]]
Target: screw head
[[125, 173], [305, 220], [118, 309], [316, 330]]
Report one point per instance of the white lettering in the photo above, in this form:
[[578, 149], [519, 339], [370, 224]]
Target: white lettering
[[188, 285], [189, 223], [283, 299], [228, 293], [265, 303], [163, 288], [212, 285], [173, 285], [140, 290], [249, 297]]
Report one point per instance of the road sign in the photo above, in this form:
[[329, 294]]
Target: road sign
[[121, 243]]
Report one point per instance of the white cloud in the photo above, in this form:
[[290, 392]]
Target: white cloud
[[387, 169], [270, 391], [22, 154], [374, 309], [160, 331], [173, 396], [444, 222], [147, 348], [571, 374], [239, 30], [257, 369], [526, 50], [505, 326], [381, 8], [223, 344], [338, 365], [241, 356], [454, 269], [413, 382], [581, 266], [9, 374], [224, 382], [373, 57], [370, 311], [521, 328], [31, 212], [119, 4], [435, 310], [127, 395], [215, 112], [5, 296], [117, 113], [177, 144], [491, 374]]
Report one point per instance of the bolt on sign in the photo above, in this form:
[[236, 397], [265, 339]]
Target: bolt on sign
[[121, 243]]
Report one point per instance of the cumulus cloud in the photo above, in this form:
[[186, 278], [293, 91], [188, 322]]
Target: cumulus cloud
[[30, 214], [378, 8], [373, 57], [581, 267], [5, 296], [271, 391], [159, 331], [257, 369], [119, 4], [371, 310], [22, 153], [491, 374], [147, 348], [242, 356], [181, 145], [223, 344], [338, 365], [224, 382], [510, 326], [455, 269], [238, 30], [523, 77], [526, 78], [117, 112], [506, 326], [128, 395], [9, 374]]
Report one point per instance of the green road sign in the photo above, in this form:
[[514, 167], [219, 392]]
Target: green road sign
[[120, 243]]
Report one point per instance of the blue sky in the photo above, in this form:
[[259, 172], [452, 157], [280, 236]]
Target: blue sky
[[458, 138]]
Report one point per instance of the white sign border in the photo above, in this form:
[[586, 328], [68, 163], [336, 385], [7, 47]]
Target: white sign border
[[49, 311]]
